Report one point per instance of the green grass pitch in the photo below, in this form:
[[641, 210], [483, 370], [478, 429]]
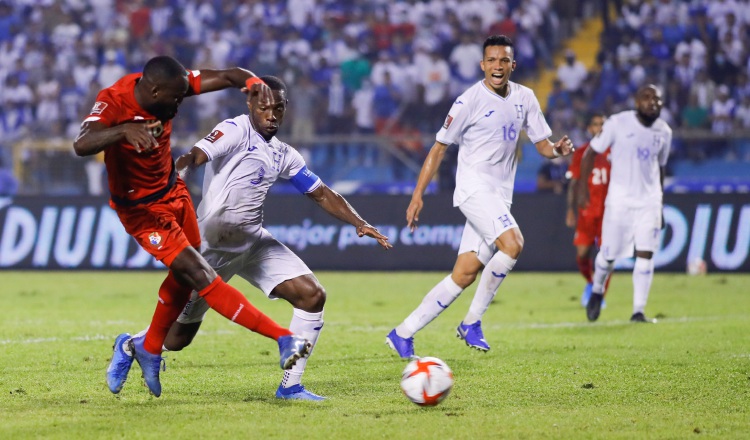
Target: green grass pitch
[[550, 374]]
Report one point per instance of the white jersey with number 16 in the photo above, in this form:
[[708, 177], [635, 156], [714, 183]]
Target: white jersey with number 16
[[486, 128]]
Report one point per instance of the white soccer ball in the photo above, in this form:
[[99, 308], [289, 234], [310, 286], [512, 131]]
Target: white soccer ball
[[696, 267], [427, 381]]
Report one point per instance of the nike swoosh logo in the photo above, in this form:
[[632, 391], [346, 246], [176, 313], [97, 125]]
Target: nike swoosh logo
[[498, 275], [441, 305]]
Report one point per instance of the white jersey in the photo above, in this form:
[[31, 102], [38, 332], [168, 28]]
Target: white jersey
[[486, 128], [637, 154], [242, 168]]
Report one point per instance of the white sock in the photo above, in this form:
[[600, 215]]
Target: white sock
[[643, 274], [492, 276], [307, 325], [602, 270], [437, 300]]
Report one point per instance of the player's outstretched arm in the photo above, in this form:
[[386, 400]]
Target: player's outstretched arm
[[189, 161], [570, 214], [95, 137], [562, 147], [426, 174], [582, 187], [336, 205]]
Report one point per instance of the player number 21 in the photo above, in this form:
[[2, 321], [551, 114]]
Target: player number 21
[[599, 176], [509, 133]]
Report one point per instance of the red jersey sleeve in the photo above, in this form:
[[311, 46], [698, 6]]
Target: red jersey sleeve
[[104, 110], [194, 79]]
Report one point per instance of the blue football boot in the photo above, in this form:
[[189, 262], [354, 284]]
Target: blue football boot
[[403, 346], [150, 365], [473, 336], [117, 371], [291, 349], [297, 392], [586, 294]]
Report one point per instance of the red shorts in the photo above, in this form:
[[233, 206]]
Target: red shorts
[[588, 229], [164, 227]]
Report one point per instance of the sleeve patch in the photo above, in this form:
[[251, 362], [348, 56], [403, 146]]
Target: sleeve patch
[[448, 121], [98, 108], [214, 136]]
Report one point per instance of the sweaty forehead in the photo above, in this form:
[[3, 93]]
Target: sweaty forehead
[[279, 97]]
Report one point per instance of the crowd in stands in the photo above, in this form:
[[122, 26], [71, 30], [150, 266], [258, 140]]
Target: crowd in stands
[[696, 51], [382, 67]]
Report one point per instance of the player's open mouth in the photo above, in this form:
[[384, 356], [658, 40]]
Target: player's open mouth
[[498, 75]]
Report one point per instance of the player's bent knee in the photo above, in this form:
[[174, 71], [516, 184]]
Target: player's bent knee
[[464, 280], [314, 301]]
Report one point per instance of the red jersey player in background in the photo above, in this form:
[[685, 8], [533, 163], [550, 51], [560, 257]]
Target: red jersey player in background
[[131, 121], [588, 225]]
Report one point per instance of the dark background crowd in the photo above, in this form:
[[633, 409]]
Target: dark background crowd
[[370, 81]]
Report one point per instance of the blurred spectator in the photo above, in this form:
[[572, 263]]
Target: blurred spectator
[[435, 80], [742, 114], [363, 103], [693, 115], [110, 71], [8, 182], [722, 112], [386, 104], [572, 72], [464, 60], [551, 176]]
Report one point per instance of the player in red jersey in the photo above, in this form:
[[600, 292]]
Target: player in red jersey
[[131, 121], [588, 225]]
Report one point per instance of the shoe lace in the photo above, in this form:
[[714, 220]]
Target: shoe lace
[[477, 329]]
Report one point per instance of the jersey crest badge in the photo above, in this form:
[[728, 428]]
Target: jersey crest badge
[[214, 136], [154, 238], [448, 121], [98, 108]]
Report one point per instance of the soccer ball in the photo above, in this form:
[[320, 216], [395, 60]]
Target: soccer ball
[[427, 381], [696, 267]]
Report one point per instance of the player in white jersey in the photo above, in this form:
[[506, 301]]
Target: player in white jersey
[[485, 122], [640, 143], [244, 158]]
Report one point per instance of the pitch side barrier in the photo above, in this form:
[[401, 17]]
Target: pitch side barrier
[[51, 233]]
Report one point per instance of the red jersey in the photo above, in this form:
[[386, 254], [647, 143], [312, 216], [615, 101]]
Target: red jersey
[[598, 179], [134, 175]]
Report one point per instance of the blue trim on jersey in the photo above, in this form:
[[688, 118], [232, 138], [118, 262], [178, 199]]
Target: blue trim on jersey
[[305, 180]]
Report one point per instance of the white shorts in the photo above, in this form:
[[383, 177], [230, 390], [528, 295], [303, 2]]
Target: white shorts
[[487, 217], [265, 265], [627, 229]]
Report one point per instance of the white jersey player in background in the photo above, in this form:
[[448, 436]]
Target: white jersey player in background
[[640, 143], [485, 122], [244, 158]]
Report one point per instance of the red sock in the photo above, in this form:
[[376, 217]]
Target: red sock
[[172, 299], [233, 305], [584, 266], [606, 284]]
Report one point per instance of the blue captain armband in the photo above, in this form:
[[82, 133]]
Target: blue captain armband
[[305, 180]]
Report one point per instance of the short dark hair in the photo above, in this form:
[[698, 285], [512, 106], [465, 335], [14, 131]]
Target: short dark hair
[[498, 40], [274, 83], [163, 68], [596, 114]]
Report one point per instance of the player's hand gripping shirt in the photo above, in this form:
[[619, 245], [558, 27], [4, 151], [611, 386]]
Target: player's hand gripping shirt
[[598, 179], [637, 153], [134, 175], [242, 168], [486, 128]]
